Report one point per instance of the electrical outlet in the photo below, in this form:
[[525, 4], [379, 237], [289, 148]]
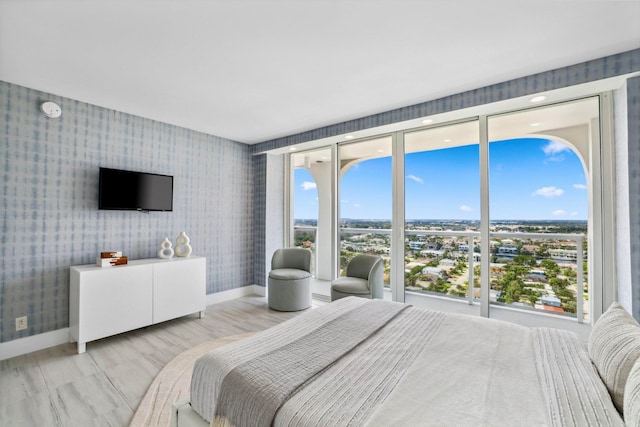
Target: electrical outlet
[[21, 323]]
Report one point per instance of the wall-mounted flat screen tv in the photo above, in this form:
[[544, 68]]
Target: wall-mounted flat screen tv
[[130, 190]]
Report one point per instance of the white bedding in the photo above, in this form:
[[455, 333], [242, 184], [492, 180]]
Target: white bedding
[[422, 368]]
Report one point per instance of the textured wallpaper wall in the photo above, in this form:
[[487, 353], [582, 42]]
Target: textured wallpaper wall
[[49, 217], [259, 217], [268, 212]]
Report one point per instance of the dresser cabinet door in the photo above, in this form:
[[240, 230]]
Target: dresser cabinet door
[[114, 300], [179, 288]]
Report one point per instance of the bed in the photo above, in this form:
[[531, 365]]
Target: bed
[[381, 363]]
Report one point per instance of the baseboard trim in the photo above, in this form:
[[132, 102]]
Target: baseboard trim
[[235, 293], [37, 342], [33, 343], [321, 297]]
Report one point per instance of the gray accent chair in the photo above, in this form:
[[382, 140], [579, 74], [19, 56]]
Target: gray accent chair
[[290, 280], [364, 278]]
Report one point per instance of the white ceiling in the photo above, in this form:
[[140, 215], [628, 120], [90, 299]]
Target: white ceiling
[[256, 70]]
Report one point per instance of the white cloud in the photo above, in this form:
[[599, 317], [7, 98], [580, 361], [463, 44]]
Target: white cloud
[[356, 205], [559, 212], [308, 185], [557, 159], [554, 150], [548, 192], [573, 214], [466, 208], [416, 179], [554, 147], [580, 186]]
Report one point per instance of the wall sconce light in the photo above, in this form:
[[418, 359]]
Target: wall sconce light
[[50, 110]]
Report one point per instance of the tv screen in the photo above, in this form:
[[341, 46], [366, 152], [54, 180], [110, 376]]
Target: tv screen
[[129, 190]]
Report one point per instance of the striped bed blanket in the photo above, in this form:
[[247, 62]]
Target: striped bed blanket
[[380, 363]]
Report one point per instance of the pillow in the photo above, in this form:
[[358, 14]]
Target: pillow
[[632, 397], [614, 346]]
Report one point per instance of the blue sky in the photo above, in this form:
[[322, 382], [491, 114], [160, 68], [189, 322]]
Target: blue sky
[[529, 179]]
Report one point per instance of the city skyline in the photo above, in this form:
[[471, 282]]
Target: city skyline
[[530, 179]]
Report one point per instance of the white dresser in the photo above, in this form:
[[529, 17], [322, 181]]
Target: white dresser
[[105, 301]]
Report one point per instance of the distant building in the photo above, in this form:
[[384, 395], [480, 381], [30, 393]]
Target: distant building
[[416, 246], [563, 254], [531, 248], [537, 275], [448, 263], [551, 300], [433, 271], [508, 251], [475, 255]]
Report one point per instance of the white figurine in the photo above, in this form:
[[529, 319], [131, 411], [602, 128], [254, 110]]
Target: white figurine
[[183, 249], [165, 249]]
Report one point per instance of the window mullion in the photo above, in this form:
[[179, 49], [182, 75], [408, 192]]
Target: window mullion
[[335, 212], [289, 202], [485, 238], [397, 224]]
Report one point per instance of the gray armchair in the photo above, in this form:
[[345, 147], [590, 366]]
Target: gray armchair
[[364, 278], [289, 287]]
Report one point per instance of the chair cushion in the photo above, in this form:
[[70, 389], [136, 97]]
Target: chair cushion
[[288, 274], [361, 265], [351, 285], [297, 258], [614, 346]]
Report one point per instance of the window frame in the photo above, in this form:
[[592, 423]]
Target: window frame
[[602, 269]]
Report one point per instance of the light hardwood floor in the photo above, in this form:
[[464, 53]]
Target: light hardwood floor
[[103, 387]]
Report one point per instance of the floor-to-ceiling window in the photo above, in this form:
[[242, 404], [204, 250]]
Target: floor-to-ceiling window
[[365, 206], [539, 174], [442, 211], [527, 180], [311, 201]]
